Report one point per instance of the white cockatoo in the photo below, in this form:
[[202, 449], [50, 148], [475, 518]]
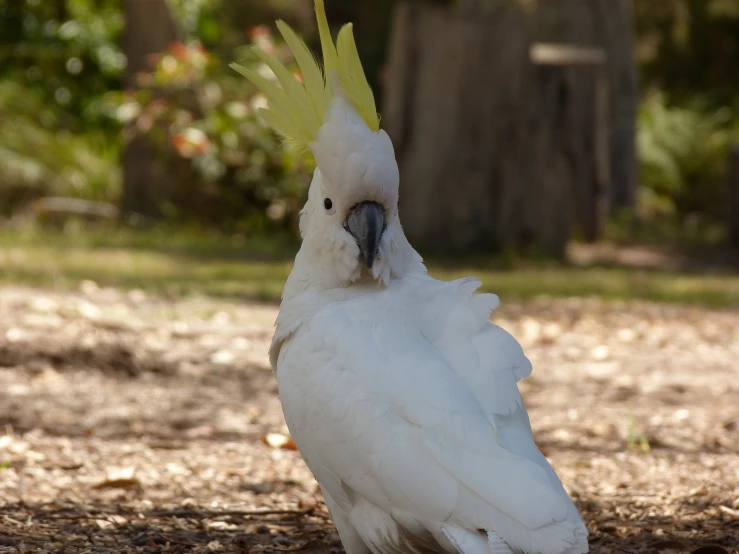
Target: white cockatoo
[[399, 393]]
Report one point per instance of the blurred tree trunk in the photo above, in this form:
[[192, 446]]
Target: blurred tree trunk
[[61, 10], [606, 24], [453, 107], [572, 108], [734, 196], [148, 182], [496, 149]]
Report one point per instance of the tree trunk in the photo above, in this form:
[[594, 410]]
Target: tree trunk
[[150, 29], [495, 151], [606, 24], [734, 196], [453, 110], [573, 109], [148, 181], [61, 10]]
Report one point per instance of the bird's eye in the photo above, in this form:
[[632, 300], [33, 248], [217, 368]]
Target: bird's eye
[[327, 203]]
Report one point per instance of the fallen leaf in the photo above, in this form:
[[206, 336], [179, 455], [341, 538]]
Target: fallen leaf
[[70, 466], [122, 483], [119, 478], [103, 524], [278, 440], [222, 357], [729, 511]]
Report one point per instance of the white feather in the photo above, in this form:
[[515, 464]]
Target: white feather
[[394, 404], [399, 393]]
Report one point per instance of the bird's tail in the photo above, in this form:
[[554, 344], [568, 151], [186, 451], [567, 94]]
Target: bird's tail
[[553, 539]]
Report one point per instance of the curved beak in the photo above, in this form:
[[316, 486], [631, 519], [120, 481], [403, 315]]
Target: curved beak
[[365, 223]]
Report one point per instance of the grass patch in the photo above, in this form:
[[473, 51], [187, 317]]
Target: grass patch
[[178, 263]]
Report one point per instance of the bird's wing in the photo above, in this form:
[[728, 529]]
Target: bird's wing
[[381, 405], [488, 359]]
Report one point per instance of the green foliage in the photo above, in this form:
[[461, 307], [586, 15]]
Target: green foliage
[[636, 440], [62, 129], [56, 59], [687, 47], [65, 50], [682, 160], [64, 116], [688, 115], [196, 109], [43, 160]]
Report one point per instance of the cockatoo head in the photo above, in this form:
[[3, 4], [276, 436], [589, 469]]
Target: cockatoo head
[[351, 215], [350, 223]]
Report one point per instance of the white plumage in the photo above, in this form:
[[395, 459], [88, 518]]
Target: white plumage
[[403, 402], [399, 393]]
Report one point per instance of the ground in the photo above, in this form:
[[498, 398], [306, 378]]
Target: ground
[[140, 423]]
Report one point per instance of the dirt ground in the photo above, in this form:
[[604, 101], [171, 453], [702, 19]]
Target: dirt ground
[[136, 424]]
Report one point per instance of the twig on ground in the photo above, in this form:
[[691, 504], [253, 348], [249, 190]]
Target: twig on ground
[[184, 512]]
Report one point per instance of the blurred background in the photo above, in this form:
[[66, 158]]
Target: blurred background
[[586, 132]]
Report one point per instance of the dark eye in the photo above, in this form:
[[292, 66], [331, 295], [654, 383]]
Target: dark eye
[[328, 204]]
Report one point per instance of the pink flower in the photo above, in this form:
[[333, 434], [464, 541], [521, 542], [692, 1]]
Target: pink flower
[[191, 142], [157, 106], [261, 37], [178, 49], [257, 32]]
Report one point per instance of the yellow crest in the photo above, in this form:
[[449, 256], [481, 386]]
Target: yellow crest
[[297, 110]]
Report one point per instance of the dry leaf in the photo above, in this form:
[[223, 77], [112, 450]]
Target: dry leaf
[[729, 511], [278, 440], [120, 478], [122, 483]]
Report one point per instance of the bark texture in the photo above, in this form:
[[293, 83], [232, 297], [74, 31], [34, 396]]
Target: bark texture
[[501, 142], [734, 196], [608, 25], [148, 179]]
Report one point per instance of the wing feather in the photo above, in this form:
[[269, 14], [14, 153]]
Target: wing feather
[[442, 434], [390, 410]]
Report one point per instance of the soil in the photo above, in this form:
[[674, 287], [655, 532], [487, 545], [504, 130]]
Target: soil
[[139, 424]]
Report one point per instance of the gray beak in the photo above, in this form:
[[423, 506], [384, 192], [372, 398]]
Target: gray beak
[[365, 223]]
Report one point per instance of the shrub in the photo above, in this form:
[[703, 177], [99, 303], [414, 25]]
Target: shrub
[[683, 160], [243, 178]]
